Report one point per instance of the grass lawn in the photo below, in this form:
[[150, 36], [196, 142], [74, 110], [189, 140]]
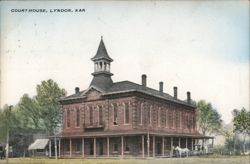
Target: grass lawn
[[190, 160]]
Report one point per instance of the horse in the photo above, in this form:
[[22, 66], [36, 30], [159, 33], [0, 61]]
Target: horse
[[180, 150]]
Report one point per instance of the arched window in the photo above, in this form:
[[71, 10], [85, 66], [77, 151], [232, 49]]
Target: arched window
[[115, 114], [167, 119], [140, 108], [100, 114], [68, 118], [150, 115], [77, 117], [126, 113], [90, 115], [159, 116]]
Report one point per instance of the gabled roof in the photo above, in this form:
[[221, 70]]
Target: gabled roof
[[101, 52]]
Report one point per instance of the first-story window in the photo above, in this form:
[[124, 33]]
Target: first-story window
[[115, 146], [78, 146], [126, 143]]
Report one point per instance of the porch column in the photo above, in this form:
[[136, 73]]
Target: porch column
[[186, 142], [153, 146], [59, 147], [142, 141], [108, 146], [192, 148], [49, 148], [163, 146], [70, 147], [83, 147], [179, 142], [122, 147], [94, 147], [171, 150], [148, 145]]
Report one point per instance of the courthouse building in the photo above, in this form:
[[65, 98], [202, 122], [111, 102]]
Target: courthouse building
[[125, 119]]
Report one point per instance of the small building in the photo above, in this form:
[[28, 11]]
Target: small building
[[39, 147], [125, 119]]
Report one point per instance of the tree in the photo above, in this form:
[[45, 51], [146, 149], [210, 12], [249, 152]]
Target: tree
[[241, 122], [48, 93], [7, 121], [209, 119], [29, 108]]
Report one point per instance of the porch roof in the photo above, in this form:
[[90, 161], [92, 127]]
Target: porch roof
[[38, 144], [133, 133]]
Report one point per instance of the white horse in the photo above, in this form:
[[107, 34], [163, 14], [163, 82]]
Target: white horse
[[180, 150]]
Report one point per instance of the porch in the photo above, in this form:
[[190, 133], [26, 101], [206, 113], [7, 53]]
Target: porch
[[134, 146]]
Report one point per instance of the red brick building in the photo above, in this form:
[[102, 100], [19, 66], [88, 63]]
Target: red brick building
[[124, 118]]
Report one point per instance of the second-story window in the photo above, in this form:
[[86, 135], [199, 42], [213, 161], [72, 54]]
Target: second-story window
[[100, 114], [115, 114], [170, 118], [140, 107], [174, 119], [126, 113], [177, 119], [149, 114], [77, 117], [159, 116], [91, 115], [194, 122], [68, 118], [166, 120], [180, 113]]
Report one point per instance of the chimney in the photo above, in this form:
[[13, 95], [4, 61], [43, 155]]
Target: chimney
[[188, 97], [161, 87], [77, 89], [175, 92], [144, 81]]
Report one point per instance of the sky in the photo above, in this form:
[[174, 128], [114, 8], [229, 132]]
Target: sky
[[198, 46]]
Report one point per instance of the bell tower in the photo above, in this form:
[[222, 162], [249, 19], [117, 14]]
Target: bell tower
[[102, 75]]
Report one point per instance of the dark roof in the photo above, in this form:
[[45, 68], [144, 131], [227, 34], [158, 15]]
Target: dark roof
[[101, 52], [127, 86]]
